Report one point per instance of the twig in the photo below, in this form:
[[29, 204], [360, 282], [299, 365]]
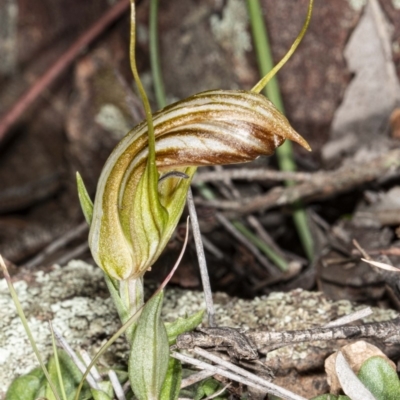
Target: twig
[[241, 238], [241, 371], [322, 185], [264, 341], [87, 360], [74, 253], [212, 248], [351, 385], [118, 390], [57, 244], [13, 114], [249, 174], [80, 365], [264, 235], [194, 378], [347, 319], [266, 387], [202, 259], [379, 330]]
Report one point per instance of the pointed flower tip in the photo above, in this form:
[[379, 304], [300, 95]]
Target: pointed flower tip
[[302, 142]]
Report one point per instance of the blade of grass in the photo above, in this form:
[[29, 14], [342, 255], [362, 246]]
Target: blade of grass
[[158, 82], [285, 152], [57, 361], [24, 322], [267, 250]]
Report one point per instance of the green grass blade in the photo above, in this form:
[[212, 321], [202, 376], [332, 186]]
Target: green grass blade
[[285, 152]]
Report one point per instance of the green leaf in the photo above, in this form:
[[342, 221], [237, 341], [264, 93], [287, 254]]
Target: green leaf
[[207, 388], [182, 325], [84, 199], [25, 387], [100, 395], [148, 360], [71, 377], [380, 378], [172, 383]]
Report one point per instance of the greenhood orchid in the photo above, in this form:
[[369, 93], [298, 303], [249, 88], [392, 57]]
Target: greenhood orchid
[[130, 226]]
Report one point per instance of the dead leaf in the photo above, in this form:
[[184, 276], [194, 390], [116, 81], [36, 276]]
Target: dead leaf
[[372, 94]]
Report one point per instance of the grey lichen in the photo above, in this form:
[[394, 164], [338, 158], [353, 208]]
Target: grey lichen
[[74, 298]]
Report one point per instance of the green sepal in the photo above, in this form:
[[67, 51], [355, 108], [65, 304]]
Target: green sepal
[[182, 325], [148, 360], [380, 378], [84, 199], [172, 383], [26, 387]]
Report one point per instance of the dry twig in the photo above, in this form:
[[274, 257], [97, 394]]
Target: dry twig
[[264, 341], [250, 174], [321, 186]]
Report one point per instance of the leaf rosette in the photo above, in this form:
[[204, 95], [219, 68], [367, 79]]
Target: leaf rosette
[[134, 213]]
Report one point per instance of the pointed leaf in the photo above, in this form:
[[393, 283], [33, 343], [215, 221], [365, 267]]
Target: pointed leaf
[[148, 360], [207, 388], [84, 199], [182, 325]]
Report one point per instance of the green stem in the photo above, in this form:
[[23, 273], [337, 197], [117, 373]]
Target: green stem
[[265, 64], [132, 296], [255, 10], [271, 254], [152, 175], [57, 362], [154, 56]]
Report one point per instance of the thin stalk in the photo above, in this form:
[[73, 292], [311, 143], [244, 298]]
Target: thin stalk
[[158, 209], [273, 71], [158, 82], [202, 259], [161, 102], [24, 322], [132, 296], [57, 361], [265, 64]]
